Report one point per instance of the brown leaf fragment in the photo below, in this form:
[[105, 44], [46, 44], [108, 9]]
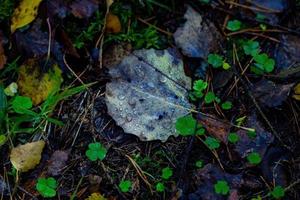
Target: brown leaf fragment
[[57, 162], [84, 8], [2, 53], [115, 54], [215, 127], [68, 46], [113, 24]]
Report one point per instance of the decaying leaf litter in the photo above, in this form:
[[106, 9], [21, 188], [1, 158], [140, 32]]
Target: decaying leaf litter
[[148, 99]]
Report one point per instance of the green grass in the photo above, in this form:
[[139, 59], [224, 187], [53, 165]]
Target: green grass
[[18, 111], [6, 9]]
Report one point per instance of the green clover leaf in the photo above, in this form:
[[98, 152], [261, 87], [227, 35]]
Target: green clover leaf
[[278, 192], [263, 62], [46, 187], [21, 104], [215, 60], [209, 97], [234, 25], [227, 105], [221, 187], [160, 187], [254, 158], [212, 143], [96, 151], [125, 185], [167, 172], [233, 138], [200, 85], [199, 163], [186, 125], [251, 47]]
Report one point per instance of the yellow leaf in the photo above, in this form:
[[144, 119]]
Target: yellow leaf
[[95, 196], [24, 14], [37, 85], [26, 157], [297, 92], [113, 24], [109, 3]]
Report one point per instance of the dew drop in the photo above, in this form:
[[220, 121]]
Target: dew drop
[[163, 79], [131, 101], [121, 97], [129, 117]]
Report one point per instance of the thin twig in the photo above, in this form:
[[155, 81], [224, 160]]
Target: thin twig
[[155, 27], [140, 172]]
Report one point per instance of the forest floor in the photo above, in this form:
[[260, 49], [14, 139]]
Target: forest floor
[[148, 99]]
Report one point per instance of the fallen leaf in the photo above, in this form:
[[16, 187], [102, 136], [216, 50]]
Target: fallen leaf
[[24, 14], [148, 93], [297, 92], [272, 168], [197, 38], [113, 24], [2, 53], [96, 196], [109, 3], [215, 127], [271, 94], [26, 157], [37, 85], [57, 162], [115, 54], [259, 143], [205, 179], [84, 8], [56, 8], [287, 52], [34, 43]]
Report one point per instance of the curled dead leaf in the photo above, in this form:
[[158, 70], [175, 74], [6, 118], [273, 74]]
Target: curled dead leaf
[[26, 157]]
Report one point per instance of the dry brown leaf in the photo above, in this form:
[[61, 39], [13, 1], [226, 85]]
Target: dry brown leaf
[[2, 54], [57, 162], [215, 127], [115, 54], [26, 157], [113, 24]]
